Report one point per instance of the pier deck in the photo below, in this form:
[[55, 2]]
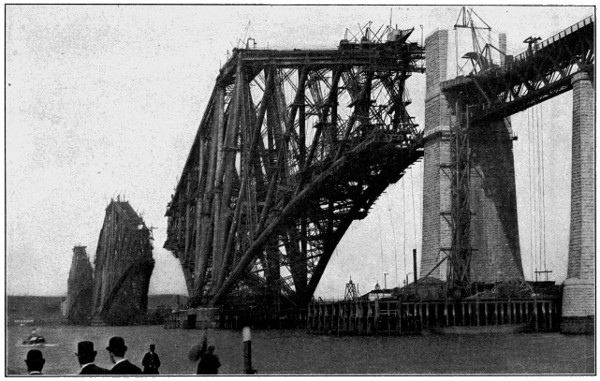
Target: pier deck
[[396, 317]]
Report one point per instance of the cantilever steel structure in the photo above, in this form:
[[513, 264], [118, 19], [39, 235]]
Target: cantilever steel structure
[[294, 145]]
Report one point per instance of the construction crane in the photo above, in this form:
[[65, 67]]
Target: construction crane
[[479, 57]]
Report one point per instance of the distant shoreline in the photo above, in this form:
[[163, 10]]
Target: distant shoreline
[[31, 310]]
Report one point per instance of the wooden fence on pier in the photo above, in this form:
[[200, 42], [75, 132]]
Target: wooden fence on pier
[[395, 317]]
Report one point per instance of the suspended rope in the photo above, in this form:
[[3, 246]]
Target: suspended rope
[[393, 235], [543, 187], [542, 191], [538, 209], [404, 229], [380, 238], [538, 189], [412, 195], [512, 49], [414, 221], [529, 160], [537, 185]]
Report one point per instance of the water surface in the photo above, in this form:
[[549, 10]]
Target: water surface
[[295, 352]]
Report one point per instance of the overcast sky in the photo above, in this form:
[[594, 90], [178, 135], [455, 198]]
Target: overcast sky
[[106, 100]]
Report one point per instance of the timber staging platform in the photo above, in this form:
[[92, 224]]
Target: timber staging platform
[[396, 317], [388, 317]]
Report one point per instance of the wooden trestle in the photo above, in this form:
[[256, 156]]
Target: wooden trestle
[[395, 317], [294, 146]]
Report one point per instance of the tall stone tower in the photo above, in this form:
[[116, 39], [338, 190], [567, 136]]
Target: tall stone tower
[[494, 229], [579, 288], [436, 183]]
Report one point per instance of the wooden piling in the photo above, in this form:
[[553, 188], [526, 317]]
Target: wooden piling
[[446, 314], [485, 312], [544, 321], [496, 315], [535, 314], [399, 312], [477, 310]]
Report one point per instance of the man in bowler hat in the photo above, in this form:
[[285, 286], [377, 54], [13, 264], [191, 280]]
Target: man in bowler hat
[[116, 350], [86, 356], [35, 362]]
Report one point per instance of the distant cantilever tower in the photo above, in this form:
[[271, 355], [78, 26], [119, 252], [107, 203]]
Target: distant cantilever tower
[[494, 236], [123, 267], [80, 288]]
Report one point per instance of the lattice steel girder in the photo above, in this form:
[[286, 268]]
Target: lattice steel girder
[[459, 269], [293, 147], [397, 58], [531, 77]]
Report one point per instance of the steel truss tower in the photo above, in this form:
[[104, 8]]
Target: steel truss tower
[[294, 145]]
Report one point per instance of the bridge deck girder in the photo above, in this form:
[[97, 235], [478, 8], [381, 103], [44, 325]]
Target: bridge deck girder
[[532, 77]]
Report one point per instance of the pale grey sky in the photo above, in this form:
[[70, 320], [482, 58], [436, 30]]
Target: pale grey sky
[[106, 100]]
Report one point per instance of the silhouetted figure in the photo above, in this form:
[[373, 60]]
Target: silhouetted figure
[[86, 356], [151, 362], [209, 362], [35, 362], [116, 350]]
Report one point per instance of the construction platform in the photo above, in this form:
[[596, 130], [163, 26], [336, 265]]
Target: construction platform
[[397, 317]]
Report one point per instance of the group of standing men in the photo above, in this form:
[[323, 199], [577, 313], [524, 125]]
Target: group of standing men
[[86, 356]]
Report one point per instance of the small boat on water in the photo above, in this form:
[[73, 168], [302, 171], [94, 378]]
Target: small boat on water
[[35, 340], [35, 344]]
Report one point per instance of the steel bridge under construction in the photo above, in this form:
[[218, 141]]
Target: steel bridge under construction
[[294, 146], [297, 144]]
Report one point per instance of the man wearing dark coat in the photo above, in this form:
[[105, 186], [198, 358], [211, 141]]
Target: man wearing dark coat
[[151, 362], [86, 356], [35, 362], [209, 362], [116, 350]]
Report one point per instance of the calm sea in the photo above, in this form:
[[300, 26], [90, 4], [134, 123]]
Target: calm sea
[[295, 352]]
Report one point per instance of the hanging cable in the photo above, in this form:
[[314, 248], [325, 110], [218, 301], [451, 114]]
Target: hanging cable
[[543, 187], [534, 190], [536, 127], [393, 235], [412, 196], [414, 221], [529, 160], [380, 239], [541, 212], [404, 228], [538, 190]]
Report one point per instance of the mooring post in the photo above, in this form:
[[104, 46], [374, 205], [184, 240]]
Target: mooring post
[[247, 339]]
